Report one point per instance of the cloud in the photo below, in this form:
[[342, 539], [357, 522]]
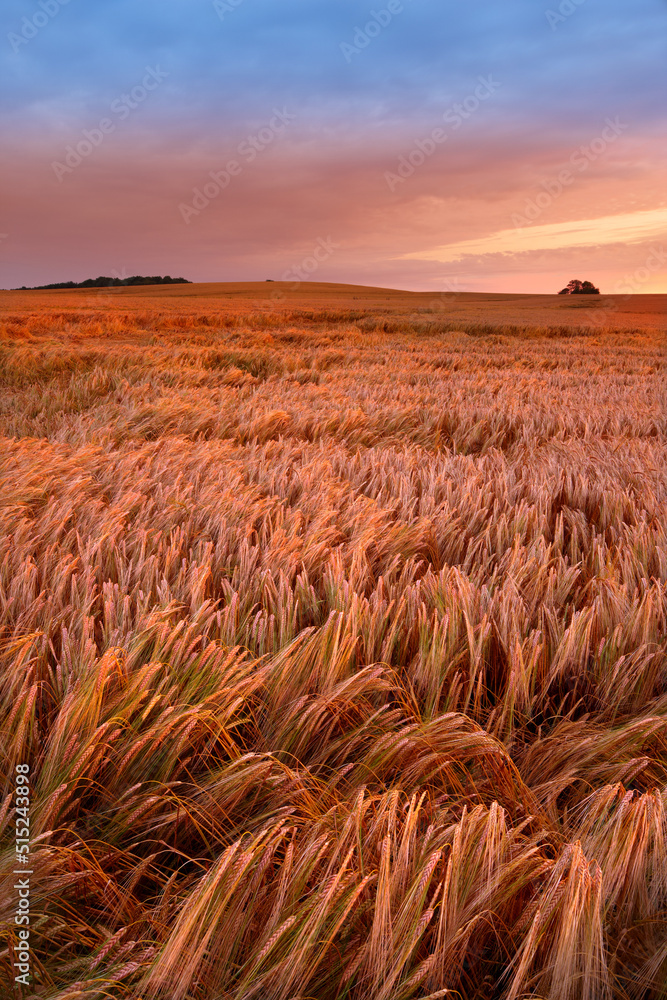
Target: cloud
[[223, 71], [326, 175], [629, 227]]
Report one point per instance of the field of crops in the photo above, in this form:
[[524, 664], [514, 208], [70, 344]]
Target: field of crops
[[334, 636]]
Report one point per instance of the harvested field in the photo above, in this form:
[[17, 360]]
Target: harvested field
[[334, 634]]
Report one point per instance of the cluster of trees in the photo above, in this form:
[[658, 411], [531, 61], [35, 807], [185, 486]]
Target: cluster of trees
[[576, 287], [104, 282]]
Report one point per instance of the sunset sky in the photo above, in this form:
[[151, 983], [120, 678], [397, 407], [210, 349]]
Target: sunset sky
[[481, 146]]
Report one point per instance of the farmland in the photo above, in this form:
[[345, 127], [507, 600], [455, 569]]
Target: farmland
[[334, 635]]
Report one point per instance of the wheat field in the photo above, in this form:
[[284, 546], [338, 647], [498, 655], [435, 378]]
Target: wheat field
[[334, 633]]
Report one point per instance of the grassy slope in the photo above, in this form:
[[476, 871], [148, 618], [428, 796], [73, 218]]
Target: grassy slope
[[335, 638], [639, 312]]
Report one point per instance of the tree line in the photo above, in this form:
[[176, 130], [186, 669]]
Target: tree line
[[104, 282]]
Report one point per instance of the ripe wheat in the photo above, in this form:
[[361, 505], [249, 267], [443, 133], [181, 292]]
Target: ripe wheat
[[336, 642]]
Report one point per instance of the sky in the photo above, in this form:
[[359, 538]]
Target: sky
[[416, 144]]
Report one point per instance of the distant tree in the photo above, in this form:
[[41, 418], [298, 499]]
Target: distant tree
[[105, 282], [576, 287]]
